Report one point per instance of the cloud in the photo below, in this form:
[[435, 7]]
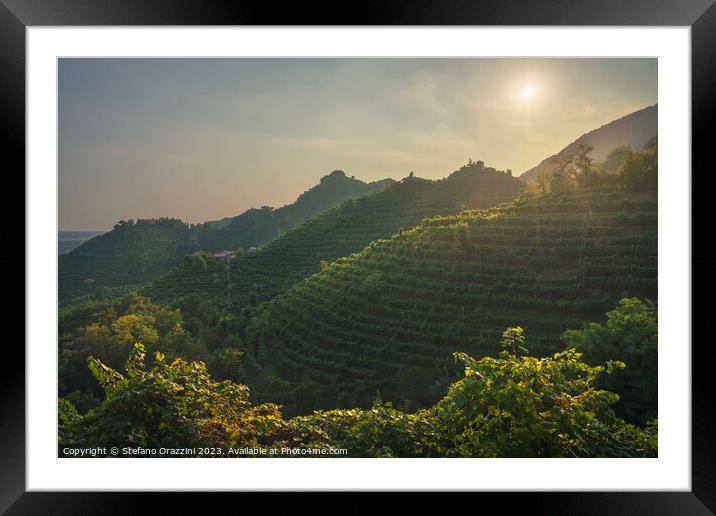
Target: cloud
[[202, 139]]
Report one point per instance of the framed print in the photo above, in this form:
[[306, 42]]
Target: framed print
[[427, 248]]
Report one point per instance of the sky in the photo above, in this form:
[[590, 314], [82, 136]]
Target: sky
[[204, 139]]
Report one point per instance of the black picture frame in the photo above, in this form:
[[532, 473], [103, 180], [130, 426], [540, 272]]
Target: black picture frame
[[17, 15]]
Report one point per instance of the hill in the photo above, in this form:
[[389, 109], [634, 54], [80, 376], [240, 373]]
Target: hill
[[135, 253], [259, 225], [633, 130], [132, 253], [69, 240], [348, 228], [386, 319]]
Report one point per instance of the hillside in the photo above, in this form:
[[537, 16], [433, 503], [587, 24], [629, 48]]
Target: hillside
[[132, 253], [633, 130], [387, 318], [69, 240], [260, 275], [257, 226]]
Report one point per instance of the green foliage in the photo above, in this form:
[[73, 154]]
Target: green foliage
[[109, 329], [527, 407], [513, 340], [285, 261], [174, 404], [639, 172], [137, 252], [350, 309], [563, 177], [69, 423], [133, 253], [512, 406], [380, 431], [418, 386], [135, 327], [575, 170], [615, 158], [258, 226], [196, 261], [633, 171], [587, 175], [461, 234], [225, 363], [630, 334], [549, 261]]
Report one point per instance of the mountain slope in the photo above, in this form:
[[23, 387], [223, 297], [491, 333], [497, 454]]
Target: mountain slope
[[259, 225], [131, 253], [69, 240], [137, 253], [633, 130], [346, 229], [388, 318]]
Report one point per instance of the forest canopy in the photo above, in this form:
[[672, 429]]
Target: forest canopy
[[513, 405]]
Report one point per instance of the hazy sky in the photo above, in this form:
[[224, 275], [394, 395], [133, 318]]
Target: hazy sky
[[203, 139]]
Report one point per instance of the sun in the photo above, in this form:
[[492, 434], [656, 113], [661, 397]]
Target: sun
[[528, 91]]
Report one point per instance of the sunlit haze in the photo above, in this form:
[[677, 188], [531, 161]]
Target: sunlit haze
[[203, 139], [528, 91]]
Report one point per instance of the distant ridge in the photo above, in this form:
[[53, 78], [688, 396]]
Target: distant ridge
[[633, 130], [259, 276], [134, 253], [257, 226]]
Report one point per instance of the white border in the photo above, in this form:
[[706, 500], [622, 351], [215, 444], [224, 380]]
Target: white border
[[670, 471]]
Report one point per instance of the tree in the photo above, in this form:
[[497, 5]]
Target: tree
[[173, 404], [630, 334], [513, 341], [582, 160], [615, 158], [586, 174], [516, 406], [135, 327], [196, 261], [562, 176], [640, 170], [542, 181]]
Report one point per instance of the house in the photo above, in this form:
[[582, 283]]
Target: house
[[221, 255]]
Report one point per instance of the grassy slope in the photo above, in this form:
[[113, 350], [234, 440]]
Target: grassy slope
[[125, 256], [335, 233], [546, 263]]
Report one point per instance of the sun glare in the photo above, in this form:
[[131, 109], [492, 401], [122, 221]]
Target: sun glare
[[528, 91]]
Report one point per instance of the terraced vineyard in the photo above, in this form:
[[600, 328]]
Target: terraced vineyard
[[130, 254], [403, 305], [348, 228]]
